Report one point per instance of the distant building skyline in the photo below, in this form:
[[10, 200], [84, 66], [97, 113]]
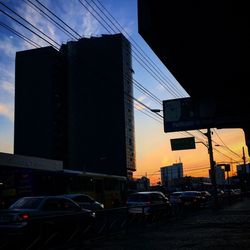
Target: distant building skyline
[[241, 168], [170, 174]]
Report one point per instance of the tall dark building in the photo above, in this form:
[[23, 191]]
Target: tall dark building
[[38, 73], [75, 105]]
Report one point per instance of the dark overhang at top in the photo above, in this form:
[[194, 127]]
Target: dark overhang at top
[[206, 46]]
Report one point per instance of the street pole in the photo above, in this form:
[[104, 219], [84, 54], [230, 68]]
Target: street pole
[[244, 171], [212, 167]]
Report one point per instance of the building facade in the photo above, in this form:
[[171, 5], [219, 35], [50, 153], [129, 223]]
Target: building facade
[[75, 105], [171, 175], [243, 169], [37, 115], [219, 175]]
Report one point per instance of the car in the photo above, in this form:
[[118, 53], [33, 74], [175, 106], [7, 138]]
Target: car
[[174, 197], [40, 219], [193, 199], [148, 203], [206, 195], [85, 201]]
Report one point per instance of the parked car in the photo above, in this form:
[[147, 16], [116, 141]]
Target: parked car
[[43, 219], [206, 195], [193, 199], [85, 201], [220, 193], [148, 203], [174, 197]]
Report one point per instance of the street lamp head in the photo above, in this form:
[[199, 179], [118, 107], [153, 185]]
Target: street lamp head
[[156, 110]]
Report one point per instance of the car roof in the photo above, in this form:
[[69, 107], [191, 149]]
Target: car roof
[[148, 192], [45, 197], [73, 194]]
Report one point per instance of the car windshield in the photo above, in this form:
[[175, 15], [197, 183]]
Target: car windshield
[[191, 194], [27, 203], [176, 194], [138, 198], [81, 198]]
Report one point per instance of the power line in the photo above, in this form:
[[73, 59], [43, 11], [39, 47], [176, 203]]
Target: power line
[[136, 46], [137, 83], [33, 26], [141, 88], [145, 91], [26, 39], [136, 56], [224, 145], [144, 111], [50, 19], [29, 29], [58, 18], [145, 106], [86, 7]]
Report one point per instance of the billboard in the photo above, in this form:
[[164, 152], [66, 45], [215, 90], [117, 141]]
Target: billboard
[[186, 114]]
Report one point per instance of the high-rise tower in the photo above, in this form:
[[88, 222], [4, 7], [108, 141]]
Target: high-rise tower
[[76, 105]]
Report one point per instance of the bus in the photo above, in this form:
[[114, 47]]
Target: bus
[[28, 176]]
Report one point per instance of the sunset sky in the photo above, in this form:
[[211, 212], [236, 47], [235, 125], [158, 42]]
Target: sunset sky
[[153, 149]]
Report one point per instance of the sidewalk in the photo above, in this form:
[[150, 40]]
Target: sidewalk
[[227, 228]]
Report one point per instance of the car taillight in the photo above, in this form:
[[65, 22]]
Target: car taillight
[[24, 216]]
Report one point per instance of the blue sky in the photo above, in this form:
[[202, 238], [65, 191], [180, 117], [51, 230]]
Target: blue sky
[[151, 141]]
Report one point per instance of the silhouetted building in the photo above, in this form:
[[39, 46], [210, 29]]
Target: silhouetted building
[[243, 169], [75, 105], [219, 174], [36, 133]]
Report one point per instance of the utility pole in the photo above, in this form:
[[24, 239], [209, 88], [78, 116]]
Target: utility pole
[[244, 171], [212, 167], [244, 159]]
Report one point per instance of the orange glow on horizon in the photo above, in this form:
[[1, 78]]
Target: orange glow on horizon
[[195, 161]]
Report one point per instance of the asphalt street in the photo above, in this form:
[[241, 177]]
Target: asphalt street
[[224, 228]]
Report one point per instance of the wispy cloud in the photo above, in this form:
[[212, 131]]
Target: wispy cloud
[[159, 87], [8, 87], [129, 28], [90, 25], [8, 47], [7, 70], [40, 23], [144, 100], [7, 110]]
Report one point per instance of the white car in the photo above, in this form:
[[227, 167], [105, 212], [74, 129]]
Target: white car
[[147, 203], [85, 201]]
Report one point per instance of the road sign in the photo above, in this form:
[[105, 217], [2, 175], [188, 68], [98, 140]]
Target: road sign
[[182, 143]]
